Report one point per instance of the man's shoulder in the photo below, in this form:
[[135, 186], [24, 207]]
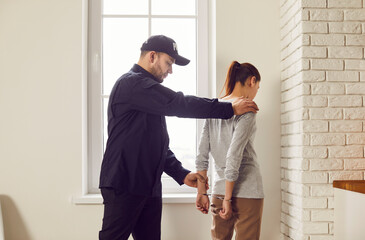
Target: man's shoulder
[[136, 79]]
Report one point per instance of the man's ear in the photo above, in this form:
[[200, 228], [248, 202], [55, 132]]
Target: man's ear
[[152, 56]]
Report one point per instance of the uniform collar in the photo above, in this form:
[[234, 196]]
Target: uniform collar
[[137, 68]]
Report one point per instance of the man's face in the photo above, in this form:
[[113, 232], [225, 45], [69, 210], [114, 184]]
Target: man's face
[[162, 66]]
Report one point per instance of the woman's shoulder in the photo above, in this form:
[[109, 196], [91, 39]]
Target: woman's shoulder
[[246, 116]]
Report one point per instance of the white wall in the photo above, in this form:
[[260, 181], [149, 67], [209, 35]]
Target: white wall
[[248, 31], [41, 117], [348, 215]]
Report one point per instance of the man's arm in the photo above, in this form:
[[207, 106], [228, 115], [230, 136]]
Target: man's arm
[[174, 169], [160, 100]]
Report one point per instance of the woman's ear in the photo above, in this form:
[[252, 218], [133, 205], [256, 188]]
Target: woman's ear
[[252, 81]]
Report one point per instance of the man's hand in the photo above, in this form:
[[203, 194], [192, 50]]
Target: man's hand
[[243, 105], [192, 178]]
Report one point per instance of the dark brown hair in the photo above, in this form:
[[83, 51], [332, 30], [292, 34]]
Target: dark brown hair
[[239, 72]]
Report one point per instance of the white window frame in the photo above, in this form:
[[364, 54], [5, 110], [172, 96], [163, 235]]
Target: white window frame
[[94, 115]]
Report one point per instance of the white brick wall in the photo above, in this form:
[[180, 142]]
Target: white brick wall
[[326, 164], [323, 110], [321, 190], [355, 40], [325, 139], [354, 113], [326, 15], [313, 76], [322, 237], [345, 126], [329, 40], [347, 52], [355, 88], [342, 76], [328, 89], [357, 65], [345, 101], [326, 113], [355, 164], [322, 215], [327, 64], [313, 126], [344, 4], [345, 27]]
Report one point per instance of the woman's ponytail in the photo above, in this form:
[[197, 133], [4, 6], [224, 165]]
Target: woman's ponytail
[[239, 72], [230, 78]]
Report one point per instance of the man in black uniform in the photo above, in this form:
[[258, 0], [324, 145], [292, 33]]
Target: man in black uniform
[[137, 150]]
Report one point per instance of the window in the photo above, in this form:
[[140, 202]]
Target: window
[[117, 29]]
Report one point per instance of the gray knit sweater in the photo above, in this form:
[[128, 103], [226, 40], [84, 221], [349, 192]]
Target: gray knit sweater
[[230, 143]]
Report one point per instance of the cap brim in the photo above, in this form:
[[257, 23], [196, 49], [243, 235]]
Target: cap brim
[[179, 60]]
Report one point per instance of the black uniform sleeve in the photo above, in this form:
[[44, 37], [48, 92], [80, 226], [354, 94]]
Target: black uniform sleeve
[[174, 169], [160, 100]]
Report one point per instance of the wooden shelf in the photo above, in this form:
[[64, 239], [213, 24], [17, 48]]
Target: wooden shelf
[[350, 185]]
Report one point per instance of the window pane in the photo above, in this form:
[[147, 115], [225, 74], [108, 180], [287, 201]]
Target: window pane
[[105, 121], [173, 7], [121, 47], [183, 32], [182, 132], [170, 186], [125, 7]]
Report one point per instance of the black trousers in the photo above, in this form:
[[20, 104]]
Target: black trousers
[[126, 214]]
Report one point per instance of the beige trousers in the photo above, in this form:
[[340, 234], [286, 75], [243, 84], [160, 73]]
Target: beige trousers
[[246, 219]]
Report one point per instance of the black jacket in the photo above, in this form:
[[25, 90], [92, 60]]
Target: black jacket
[[137, 150]]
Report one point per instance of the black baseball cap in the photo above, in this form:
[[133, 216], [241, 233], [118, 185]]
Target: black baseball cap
[[161, 43]]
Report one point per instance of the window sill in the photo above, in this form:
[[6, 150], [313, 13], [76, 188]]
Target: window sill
[[96, 199]]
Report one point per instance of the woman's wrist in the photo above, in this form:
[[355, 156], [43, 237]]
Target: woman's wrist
[[202, 193], [228, 199]]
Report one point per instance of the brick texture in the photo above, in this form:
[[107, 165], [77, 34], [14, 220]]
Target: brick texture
[[322, 110]]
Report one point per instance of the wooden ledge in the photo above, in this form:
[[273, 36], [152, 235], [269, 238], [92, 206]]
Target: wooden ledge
[[350, 185]]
